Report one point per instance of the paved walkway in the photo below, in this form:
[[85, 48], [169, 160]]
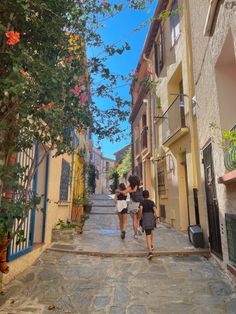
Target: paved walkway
[[103, 226], [61, 282]]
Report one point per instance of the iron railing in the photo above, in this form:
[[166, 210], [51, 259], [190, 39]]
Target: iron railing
[[173, 119], [230, 155]]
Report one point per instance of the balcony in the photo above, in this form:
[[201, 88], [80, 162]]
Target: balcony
[[230, 162], [173, 123], [144, 136]]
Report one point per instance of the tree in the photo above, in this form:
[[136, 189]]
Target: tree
[[91, 178], [46, 83], [115, 180], [125, 167]]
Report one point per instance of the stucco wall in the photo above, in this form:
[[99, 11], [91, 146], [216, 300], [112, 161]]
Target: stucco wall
[[210, 108]]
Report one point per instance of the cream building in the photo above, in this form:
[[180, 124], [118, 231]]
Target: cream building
[[165, 144], [213, 25], [53, 181]]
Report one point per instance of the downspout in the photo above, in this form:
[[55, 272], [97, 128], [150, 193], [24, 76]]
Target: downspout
[[191, 93], [210, 17]]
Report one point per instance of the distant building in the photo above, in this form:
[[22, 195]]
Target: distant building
[[103, 167], [120, 154]]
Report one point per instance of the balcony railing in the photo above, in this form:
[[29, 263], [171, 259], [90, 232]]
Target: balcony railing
[[144, 135], [173, 120], [230, 155]]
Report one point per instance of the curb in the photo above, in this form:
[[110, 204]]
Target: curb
[[205, 253]]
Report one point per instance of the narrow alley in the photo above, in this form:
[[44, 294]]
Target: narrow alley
[[100, 273]]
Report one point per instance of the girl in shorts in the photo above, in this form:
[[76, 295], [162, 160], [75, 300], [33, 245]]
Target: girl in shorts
[[149, 215], [121, 207], [132, 189]]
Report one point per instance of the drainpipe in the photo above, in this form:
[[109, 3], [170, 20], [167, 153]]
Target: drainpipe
[[210, 17], [193, 133]]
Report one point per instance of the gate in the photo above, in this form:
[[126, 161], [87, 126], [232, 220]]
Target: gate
[[212, 203], [26, 158]]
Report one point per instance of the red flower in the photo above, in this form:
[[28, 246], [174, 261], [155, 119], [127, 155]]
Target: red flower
[[105, 3], [23, 72], [13, 38]]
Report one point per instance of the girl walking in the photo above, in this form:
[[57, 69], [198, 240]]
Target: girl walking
[[121, 207], [135, 198], [149, 215]]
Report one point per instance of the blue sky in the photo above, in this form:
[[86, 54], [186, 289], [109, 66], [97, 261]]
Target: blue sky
[[116, 28]]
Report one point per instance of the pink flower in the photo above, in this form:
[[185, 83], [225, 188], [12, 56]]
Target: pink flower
[[149, 72], [81, 80], [76, 90], [105, 3], [83, 99]]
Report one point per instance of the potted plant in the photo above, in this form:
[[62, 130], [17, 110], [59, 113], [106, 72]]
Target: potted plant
[[87, 203], [83, 218], [64, 231], [77, 208]]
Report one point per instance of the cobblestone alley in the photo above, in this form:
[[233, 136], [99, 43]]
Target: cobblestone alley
[[100, 273]]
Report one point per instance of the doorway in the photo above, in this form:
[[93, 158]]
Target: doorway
[[212, 203]]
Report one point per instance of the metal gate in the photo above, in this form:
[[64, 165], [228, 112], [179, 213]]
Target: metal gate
[[212, 203], [15, 249]]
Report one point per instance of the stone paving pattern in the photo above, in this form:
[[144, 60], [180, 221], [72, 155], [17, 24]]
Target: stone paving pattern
[[71, 283], [103, 226]]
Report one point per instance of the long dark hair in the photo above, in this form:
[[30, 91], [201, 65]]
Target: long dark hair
[[134, 181]]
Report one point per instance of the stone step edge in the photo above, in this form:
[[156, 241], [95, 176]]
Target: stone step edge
[[204, 252]]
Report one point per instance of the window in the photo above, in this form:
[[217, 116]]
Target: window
[[159, 54], [174, 23], [107, 166], [64, 183], [161, 170]]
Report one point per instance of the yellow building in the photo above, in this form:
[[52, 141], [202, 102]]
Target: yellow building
[[163, 121]]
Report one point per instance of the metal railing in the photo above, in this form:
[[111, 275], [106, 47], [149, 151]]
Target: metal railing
[[230, 155], [173, 119]]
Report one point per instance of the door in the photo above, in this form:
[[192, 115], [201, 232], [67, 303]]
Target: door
[[212, 203]]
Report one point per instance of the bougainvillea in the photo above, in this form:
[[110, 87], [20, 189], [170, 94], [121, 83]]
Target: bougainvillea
[[46, 84]]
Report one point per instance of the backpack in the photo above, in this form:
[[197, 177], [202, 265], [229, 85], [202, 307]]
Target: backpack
[[137, 196]]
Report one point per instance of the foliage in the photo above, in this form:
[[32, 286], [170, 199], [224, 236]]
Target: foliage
[[115, 181], [125, 167], [91, 179], [65, 225], [46, 84], [83, 218], [230, 137]]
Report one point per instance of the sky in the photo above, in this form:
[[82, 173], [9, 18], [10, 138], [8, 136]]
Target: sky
[[118, 27]]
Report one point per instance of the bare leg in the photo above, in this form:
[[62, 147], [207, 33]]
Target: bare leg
[[124, 221], [120, 220], [149, 242], [135, 223]]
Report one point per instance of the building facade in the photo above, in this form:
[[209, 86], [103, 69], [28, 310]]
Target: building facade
[[213, 38], [163, 124]]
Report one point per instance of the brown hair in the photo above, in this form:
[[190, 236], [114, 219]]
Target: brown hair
[[134, 181], [122, 186]]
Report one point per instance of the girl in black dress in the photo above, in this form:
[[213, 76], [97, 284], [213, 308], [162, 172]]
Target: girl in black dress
[[149, 215]]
